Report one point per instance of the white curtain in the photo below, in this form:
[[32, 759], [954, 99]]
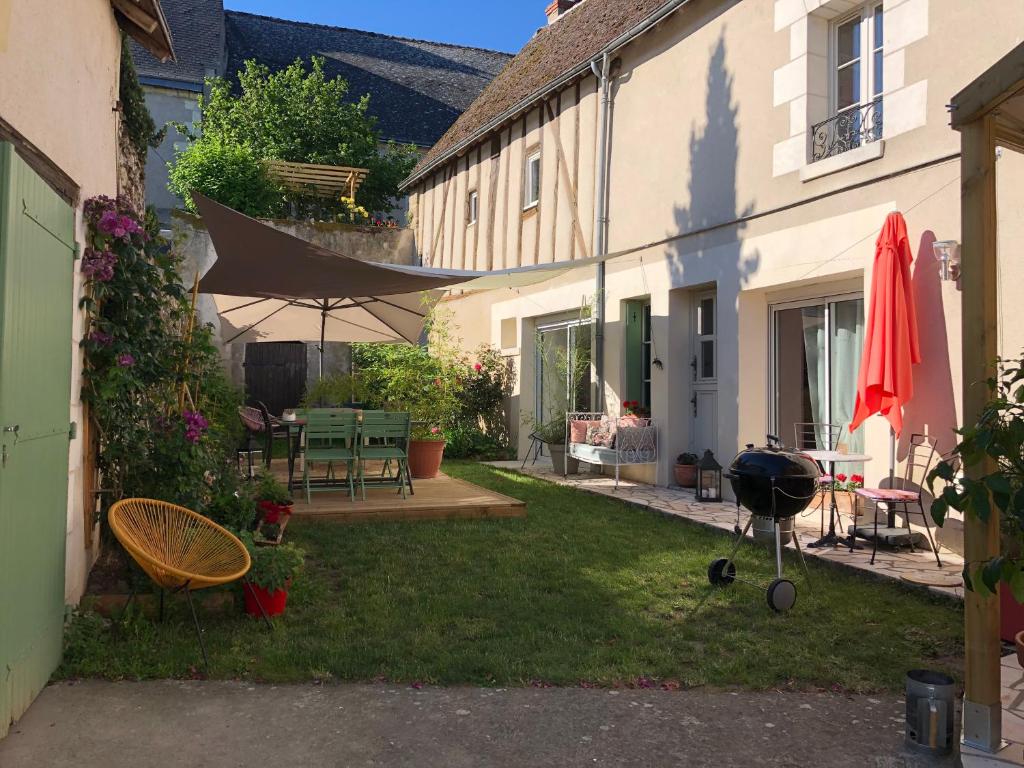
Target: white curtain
[[814, 352], [847, 346]]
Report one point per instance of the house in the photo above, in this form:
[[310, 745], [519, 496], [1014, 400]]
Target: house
[[738, 157], [60, 144], [417, 88]]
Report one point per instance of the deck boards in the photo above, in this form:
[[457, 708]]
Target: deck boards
[[443, 498]]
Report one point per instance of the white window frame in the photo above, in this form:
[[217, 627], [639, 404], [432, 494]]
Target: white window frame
[[529, 174], [700, 336], [866, 14], [472, 207]]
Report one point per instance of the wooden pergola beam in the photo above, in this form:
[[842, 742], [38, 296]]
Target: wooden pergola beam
[[982, 708]]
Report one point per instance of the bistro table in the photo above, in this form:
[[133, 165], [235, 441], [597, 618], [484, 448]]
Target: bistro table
[[831, 458]]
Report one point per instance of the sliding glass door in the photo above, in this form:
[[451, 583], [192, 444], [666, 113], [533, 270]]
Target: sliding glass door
[[816, 350], [563, 368]]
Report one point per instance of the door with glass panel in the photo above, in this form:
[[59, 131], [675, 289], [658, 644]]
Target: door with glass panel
[[704, 365], [816, 350], [563, 369]]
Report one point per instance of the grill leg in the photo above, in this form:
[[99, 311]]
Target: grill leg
[[199, 630], [778, 549], [736, 546], [800, 554]]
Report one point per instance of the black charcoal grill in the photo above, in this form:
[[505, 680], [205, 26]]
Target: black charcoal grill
[[770, 482]]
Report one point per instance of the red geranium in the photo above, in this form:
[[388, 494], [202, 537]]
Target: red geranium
[[841, 478], [857, 478]]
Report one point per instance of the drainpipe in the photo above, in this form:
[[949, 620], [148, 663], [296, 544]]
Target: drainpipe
[[601, 72]]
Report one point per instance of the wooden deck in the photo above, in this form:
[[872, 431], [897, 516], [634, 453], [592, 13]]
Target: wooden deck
[[443, 498]]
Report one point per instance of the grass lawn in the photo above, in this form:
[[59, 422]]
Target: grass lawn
[[585, 590]]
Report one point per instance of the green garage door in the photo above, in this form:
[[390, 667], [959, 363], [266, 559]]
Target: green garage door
[[36, 272]]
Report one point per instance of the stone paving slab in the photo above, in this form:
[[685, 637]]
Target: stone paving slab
[[174, 724], [915, 568]]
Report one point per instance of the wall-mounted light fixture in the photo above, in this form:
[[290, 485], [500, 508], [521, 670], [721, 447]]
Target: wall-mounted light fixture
[[947, 253]]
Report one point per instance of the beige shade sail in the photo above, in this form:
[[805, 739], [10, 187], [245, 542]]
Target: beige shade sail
[[387, 319], [256, 260]]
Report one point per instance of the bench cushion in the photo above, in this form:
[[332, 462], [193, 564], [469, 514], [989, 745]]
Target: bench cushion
[[592, 454]]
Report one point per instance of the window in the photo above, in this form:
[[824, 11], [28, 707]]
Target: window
[[857, 81], [563, 368], [816, 348], [531, 182], [472, 207], [704, 359]]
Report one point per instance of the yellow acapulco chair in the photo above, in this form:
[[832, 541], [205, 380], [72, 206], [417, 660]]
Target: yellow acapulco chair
[[179, 549]]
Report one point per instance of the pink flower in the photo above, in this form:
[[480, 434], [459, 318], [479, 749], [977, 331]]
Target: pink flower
[[125, 360], [99, 265], [478, 367], [434, 430], [101, 338]]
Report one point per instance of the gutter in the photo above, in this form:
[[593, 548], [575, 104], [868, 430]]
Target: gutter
[[554, 85]]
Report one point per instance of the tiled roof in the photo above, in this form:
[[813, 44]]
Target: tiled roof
[[417, 88], [554, 52], [197, 29]]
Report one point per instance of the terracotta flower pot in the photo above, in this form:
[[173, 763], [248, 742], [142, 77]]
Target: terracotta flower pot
[[686, 475], [255, 596], [425, 458]]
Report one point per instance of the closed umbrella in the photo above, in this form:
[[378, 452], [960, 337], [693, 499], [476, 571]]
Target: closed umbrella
[[891, 346]]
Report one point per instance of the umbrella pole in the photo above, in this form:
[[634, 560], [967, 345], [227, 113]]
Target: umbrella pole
[[323, 334]]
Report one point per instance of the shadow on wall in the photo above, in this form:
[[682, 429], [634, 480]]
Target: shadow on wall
[[932, 411], [717, 256]]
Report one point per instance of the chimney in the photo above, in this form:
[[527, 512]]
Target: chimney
[[557, 7]]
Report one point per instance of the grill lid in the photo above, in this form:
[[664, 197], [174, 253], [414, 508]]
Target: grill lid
[[773, 461]]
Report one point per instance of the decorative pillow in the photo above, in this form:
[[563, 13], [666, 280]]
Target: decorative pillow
[[578, 430], [600, 436]]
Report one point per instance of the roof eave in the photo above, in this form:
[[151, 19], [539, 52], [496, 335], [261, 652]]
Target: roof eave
[[145, 22], [551, 86]]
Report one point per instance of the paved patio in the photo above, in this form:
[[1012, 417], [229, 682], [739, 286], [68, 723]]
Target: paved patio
[[917, 568], [169, 724]]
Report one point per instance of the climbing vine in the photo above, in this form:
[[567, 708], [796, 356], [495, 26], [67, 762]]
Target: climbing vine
[[159, 401]]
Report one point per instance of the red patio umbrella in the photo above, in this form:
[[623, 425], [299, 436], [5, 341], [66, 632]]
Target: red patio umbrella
[[891, 347]]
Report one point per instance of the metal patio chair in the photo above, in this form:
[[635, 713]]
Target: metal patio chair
[[815, 435], [271, 429], [331, 436], [915, 475], [252, 421], [180, 550], [384, 436]]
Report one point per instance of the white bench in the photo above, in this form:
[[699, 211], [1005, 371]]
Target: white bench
[[635, 441]]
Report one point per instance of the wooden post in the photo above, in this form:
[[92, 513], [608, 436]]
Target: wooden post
[[982, 711]]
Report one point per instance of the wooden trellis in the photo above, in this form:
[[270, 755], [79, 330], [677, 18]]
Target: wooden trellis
[[320, 180]]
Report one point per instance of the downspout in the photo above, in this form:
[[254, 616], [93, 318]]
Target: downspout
[[601, 72]]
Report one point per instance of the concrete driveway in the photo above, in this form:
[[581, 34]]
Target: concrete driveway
[[174, 724]]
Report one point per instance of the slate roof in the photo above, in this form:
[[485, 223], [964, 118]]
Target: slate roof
[[417, 88], [197, 30], [558, 50]]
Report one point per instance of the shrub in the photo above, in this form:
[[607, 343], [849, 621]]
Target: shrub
[[228, 172], [235, 511]]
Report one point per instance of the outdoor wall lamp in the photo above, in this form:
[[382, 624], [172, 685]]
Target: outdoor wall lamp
[[947, 253]]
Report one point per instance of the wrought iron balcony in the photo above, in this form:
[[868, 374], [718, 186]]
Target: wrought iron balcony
[[848, 130]]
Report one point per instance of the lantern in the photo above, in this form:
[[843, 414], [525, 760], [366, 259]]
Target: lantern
[[709, 478]]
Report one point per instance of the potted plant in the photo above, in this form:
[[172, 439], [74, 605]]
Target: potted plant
[[994, 444], [236, 511], [270, 576], [685, 470], [272, 498], [553, 434]]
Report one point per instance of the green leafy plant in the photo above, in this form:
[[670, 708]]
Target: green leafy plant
[[686, 459], [136, 119], [270, 531], [996, 441], [230, 173], [141, 361], [297, 115], [236, 511], [269, 488], [273, 568], [336, 389]]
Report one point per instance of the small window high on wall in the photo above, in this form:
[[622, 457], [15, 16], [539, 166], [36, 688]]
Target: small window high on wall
[[472, 207], [531, 181]]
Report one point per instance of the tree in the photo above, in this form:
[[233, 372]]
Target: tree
[[301, 116]]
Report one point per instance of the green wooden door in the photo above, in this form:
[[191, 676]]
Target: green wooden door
[[36, 273]]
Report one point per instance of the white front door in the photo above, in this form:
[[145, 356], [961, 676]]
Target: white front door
[[704, 362]]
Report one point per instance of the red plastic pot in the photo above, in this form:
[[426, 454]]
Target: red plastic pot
[[255, 596], [425, 458], [1011, 615]]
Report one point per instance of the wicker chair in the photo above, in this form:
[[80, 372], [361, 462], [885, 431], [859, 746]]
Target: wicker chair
[[180, 550]]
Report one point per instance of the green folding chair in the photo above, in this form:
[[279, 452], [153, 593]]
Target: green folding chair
[[384, 436], [330, 437]]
